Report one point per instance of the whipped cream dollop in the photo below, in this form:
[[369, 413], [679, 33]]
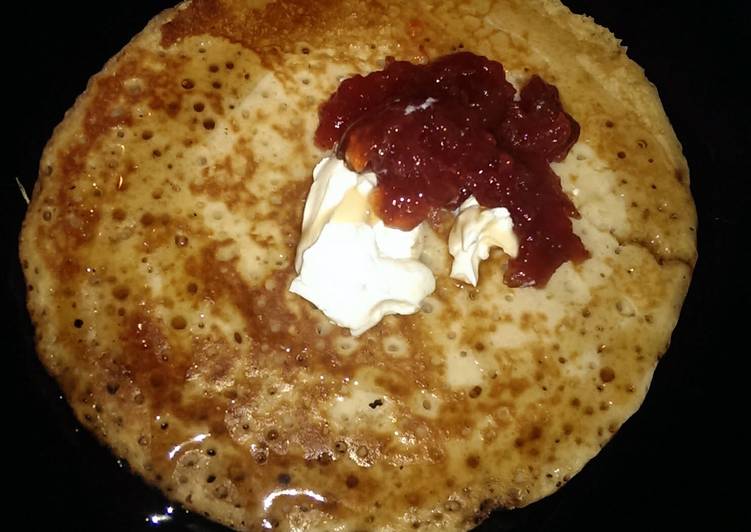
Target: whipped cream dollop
[[350, 265], [475, 231], [356, 270]]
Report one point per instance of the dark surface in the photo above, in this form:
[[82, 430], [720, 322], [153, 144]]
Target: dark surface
[[676, 464]]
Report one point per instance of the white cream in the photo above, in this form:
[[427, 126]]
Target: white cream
[[350, 265], [424, 105], [475, 231], [356, 270]]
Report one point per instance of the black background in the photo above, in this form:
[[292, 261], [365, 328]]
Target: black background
[[680, 462]]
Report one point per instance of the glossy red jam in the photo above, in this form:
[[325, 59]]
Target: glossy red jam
[[435, 134]]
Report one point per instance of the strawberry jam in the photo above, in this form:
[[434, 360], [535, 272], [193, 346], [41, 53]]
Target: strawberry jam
[[435, 134]]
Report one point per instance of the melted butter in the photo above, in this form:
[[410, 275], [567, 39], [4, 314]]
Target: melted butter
[[354, 208]]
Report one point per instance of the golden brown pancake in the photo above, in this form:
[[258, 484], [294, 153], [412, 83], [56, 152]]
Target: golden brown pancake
[[160, 242]]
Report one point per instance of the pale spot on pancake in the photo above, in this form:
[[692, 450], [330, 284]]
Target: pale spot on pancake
[[224, 324], [362, 407], [425, 403], [396, 346], [514, 337], [463, 370], [569, 285], [583, 363], [271, 234], [324, 327], [153, 277], [234, 231], [435, 253], [625, 307], [346, 345], [593, 187]]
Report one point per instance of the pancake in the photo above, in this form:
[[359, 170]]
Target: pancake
[[160, 242]]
